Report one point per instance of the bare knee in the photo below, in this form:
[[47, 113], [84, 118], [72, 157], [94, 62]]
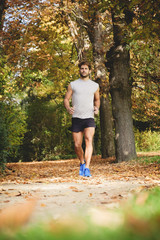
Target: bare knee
[[77, 145], [88, 140]]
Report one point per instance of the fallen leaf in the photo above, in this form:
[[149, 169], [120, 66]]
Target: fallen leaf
[[105, 193], [14, 194], [43, 205], [74, 189]]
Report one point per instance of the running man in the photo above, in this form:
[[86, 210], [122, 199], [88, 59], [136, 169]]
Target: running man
[[85, 103]]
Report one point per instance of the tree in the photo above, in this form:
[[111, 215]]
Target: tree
[[89, 19], [97, 35], [145, 59], [131, 20], [3, 129], [43, 67], [2, 8], [118, 63], [3, 139], [44, 40], [145, 62]]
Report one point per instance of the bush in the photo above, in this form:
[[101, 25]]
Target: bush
[[147, 141], [3, 142], [47, 134]]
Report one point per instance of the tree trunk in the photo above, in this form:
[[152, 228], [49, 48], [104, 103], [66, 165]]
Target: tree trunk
[[2, 7], [107, 140], [120, 88], [96, 36]]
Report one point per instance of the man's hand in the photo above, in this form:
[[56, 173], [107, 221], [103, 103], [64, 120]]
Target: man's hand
[[96, 110], [70, 110]]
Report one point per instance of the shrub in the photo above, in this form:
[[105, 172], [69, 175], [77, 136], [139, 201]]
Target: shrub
[[3, 140], [147, 141]]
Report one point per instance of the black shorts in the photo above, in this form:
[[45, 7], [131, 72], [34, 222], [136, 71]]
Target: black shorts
[[78, 124]]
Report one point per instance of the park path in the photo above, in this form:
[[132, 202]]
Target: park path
[[59, 190]]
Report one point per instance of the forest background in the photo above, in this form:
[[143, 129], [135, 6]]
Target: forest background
[[41, 44]]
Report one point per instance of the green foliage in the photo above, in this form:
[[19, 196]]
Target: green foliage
[[47, 133], [147, 141], [16, 126], [150, 209], [145, 61], [12, 118], [4, 143], [13, 127], [59, 157], [148, 160]]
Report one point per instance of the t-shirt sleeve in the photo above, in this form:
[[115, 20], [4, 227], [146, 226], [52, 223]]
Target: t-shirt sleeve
[[72, 85], [96, 86]]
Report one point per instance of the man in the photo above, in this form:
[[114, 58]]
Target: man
[[85, 103]]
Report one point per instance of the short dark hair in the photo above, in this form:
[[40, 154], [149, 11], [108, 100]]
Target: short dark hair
[[84, 63]]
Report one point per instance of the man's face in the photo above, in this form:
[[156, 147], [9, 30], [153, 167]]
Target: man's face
[[84, 71]]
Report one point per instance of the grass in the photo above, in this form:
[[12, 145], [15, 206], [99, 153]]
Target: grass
[[147, 141], [59, 157], [141, 216], [148, 160]]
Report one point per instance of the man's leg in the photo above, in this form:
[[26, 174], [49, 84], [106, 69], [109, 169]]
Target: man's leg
[[78, 138], [88, 136]]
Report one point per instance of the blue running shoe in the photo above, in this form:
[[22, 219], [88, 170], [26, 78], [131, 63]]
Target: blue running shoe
[[87, 172], [82, 167]]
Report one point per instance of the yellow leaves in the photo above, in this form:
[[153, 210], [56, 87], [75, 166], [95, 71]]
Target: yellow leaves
[[33, 38]]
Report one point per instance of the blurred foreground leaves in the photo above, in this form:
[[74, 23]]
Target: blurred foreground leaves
[[137, 218]]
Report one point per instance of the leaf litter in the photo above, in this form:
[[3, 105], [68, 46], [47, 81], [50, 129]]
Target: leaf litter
[[59, 173]]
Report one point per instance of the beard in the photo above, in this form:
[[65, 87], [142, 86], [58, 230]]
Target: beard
[[84, 75]]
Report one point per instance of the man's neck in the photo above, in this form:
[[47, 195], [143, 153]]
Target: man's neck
[[84, 79]]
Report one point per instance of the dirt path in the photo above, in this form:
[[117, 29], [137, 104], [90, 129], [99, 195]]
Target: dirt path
[[56, 200], [60, 191]]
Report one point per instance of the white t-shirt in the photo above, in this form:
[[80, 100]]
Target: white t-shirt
[[83, 98]]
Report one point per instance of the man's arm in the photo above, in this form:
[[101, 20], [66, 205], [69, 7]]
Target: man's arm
[[66, 100], [96, 102]]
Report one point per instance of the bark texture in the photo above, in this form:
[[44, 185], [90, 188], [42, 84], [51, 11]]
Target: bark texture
[[96, 35], [107, 139], [120, 87], [2, 7]]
